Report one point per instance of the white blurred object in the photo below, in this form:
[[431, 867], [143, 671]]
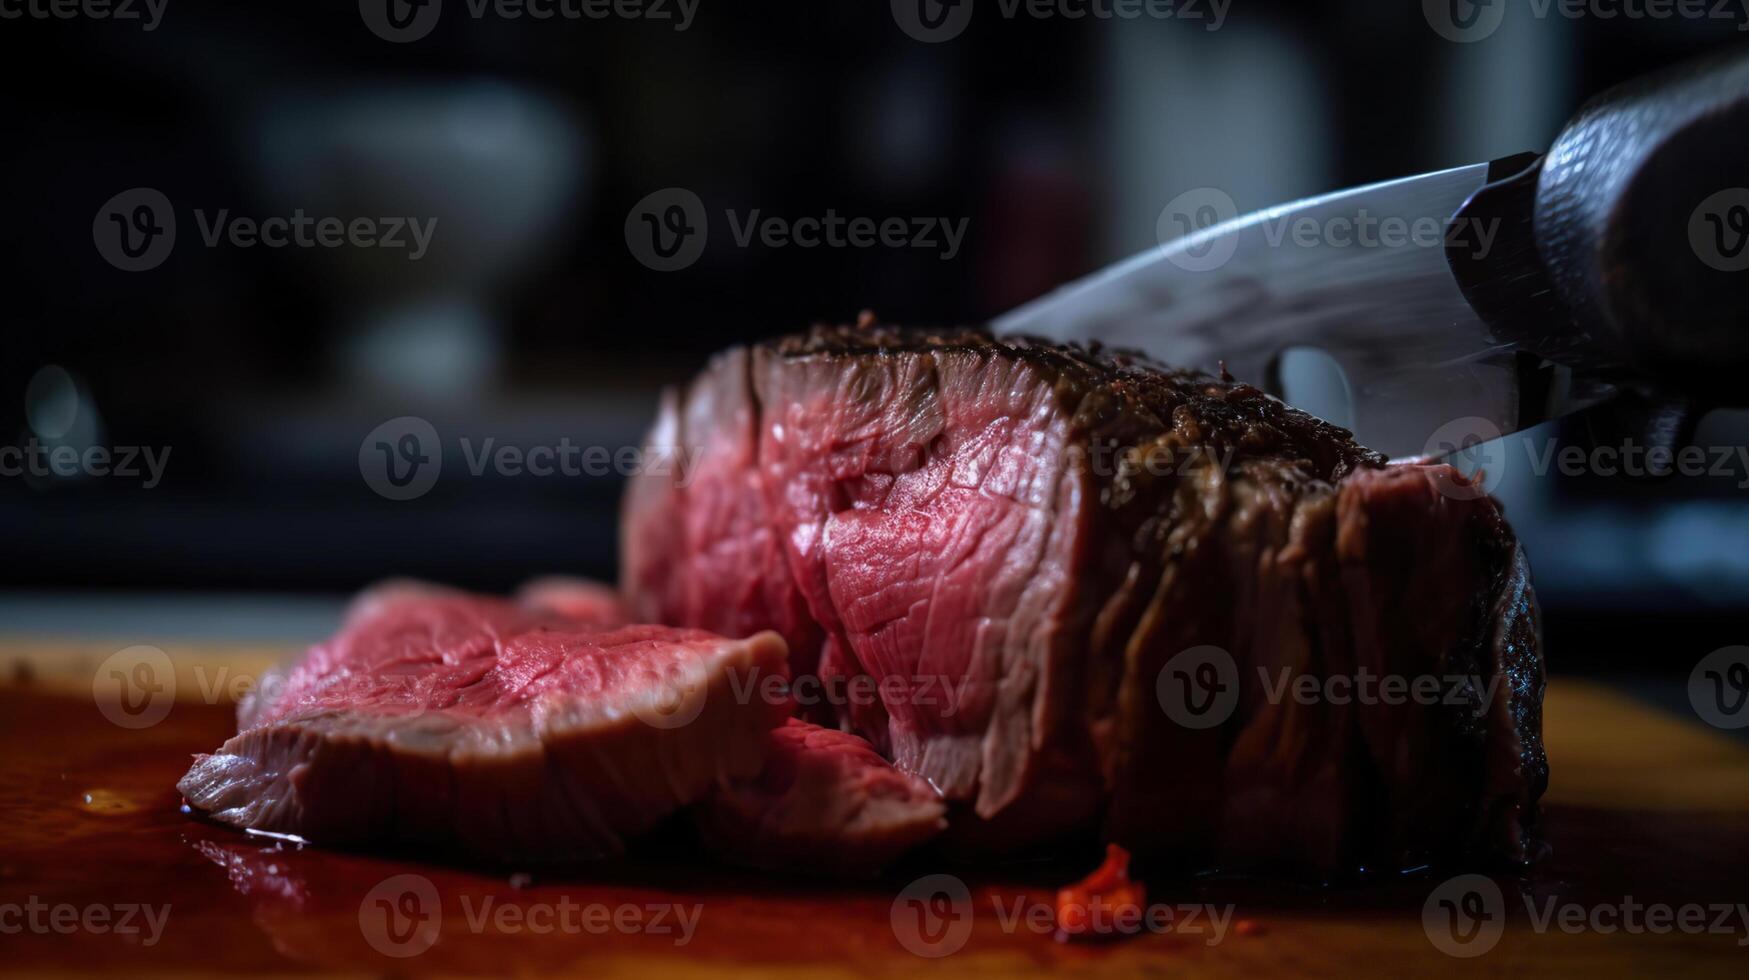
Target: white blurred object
[[1244, 110], [60, 414], [499, 167]]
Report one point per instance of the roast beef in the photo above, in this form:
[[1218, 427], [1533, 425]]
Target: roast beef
[[826, 803], [576, 599], [1003, 545], [501, 730]]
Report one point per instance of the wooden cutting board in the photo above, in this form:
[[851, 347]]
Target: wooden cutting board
[[1645, 807]]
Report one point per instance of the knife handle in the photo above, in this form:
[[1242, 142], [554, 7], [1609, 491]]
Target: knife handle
[[1641, 219]]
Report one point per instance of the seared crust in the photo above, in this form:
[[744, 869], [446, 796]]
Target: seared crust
[[1121, 391]]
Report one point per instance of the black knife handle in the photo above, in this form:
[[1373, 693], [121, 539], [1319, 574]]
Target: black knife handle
[[1642, 222]]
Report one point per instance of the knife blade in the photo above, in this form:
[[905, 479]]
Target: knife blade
[[1462, 304], [1383, 306]]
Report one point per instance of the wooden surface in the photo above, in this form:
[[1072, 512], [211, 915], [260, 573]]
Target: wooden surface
[[1644, 807]]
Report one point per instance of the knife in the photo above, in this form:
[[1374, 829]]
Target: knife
[[1434, 312]]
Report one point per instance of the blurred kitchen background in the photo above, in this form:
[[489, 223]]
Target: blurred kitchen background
[[529, 320]]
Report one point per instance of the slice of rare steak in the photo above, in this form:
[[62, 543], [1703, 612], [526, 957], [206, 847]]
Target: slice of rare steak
[[988, 557], [576, 599], [827, 803], [498, 729]]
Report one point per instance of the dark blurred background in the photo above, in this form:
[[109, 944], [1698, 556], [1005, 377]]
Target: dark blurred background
[[529, 320]]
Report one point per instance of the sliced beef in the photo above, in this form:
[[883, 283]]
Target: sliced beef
[[576, 599], [736, 580], [502, 730], [1003, 543], [827, 803]]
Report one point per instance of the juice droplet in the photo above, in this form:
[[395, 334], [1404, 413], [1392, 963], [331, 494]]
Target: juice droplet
[[108, 802]]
